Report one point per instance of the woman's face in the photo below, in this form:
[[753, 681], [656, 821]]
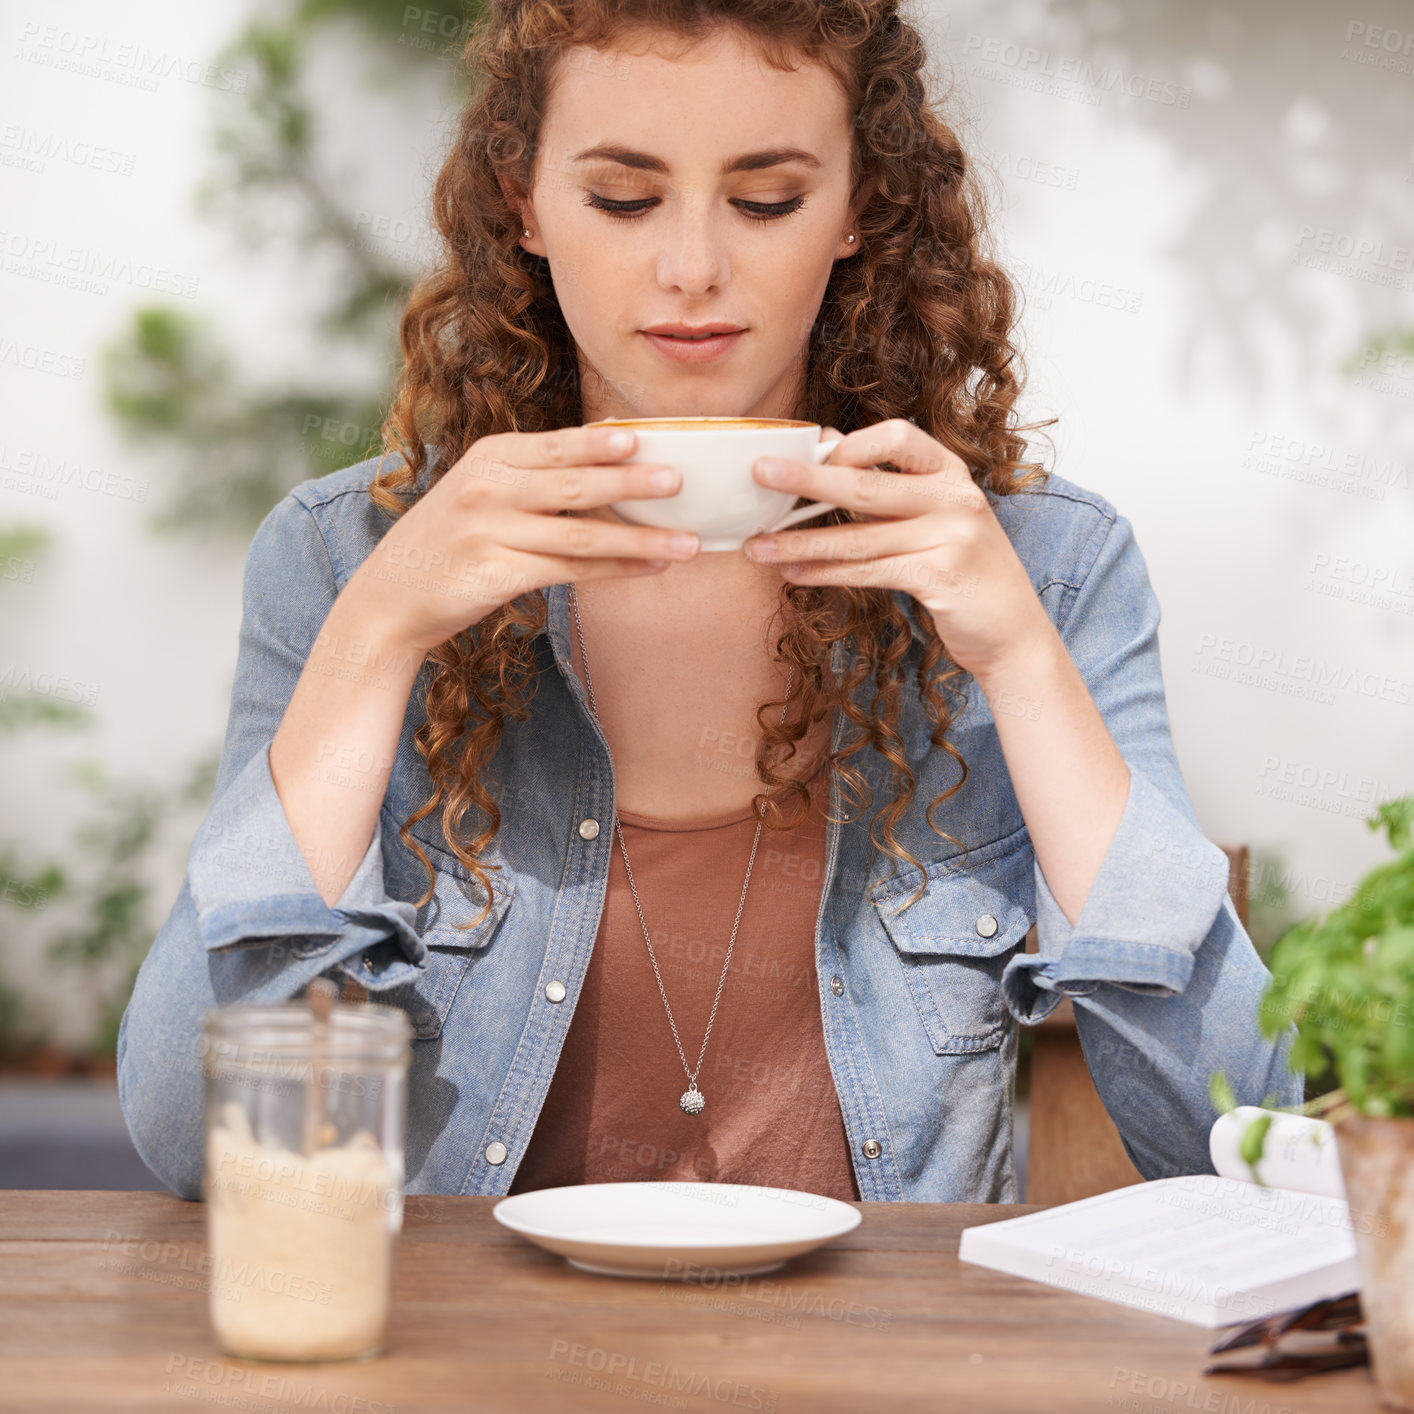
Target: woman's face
[[750, 248]]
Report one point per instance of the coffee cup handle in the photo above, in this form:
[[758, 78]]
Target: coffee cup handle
[[819, 453]]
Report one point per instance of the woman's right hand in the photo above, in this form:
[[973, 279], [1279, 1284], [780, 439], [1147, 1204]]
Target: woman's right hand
[[488, 531]]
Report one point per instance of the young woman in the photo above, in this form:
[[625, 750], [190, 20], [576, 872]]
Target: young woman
[[732, 855]]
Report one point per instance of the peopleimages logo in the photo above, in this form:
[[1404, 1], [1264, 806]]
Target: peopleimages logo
[[1047, 285], [134, 65], [29, 683], [1351, 247], [57, 262], [1303, 459], [1071, 68], [1326, 788], [649, 1377], [1356, 257], [216, 1382], [24, 147], [1303, 674], [788, 1296], [41, 470], [1379, 46], [1126, 1387], [40, 360], [1366, 582]]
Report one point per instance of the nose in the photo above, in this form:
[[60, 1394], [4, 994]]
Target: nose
[[693, 260]]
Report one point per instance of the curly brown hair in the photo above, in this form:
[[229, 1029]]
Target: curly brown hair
[[917, 325]]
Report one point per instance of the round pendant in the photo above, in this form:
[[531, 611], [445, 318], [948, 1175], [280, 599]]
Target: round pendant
[[692, 1101]]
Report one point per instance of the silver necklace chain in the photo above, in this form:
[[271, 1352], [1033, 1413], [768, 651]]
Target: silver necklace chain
[[692, 1101]]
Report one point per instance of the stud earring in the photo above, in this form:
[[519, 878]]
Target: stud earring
[[527, 233], [851, 237]]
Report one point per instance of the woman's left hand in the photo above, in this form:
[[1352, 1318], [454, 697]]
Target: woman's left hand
[[928, 530]]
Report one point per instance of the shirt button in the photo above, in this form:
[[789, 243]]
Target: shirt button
[[872, 1148], [495, 1152], [589, 829], [837, 986], [987, 926], [367, 963], [554, 991]]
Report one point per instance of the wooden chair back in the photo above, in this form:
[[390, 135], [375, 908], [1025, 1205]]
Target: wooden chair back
[[1073, 1149]]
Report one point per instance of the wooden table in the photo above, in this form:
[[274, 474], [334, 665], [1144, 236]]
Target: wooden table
[[104, 1307]]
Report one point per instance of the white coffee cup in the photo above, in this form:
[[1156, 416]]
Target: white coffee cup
[[719, 498]]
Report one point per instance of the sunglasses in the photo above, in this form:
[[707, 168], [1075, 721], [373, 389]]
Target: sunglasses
[[1288, 1343]]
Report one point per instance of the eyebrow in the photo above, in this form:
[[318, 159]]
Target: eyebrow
[[747, 162]]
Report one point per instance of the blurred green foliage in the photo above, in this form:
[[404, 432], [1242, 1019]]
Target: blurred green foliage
[[1397, 342], [114, 923], [1346, 978], [237, 450], [100, 883], [172, 382], [27, 886], [233, 448]]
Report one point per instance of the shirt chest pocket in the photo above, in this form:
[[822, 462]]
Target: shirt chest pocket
[[956, 939], [452, 946]]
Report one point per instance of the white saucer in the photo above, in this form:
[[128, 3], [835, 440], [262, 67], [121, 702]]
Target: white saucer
[[684, 1231]]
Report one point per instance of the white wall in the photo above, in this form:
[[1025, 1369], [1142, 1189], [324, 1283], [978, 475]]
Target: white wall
[[104, 141], [1203, 394], [1212, 410]]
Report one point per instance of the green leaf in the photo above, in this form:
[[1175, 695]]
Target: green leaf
[[1395, 817], [1220, 1093], [1254, 1139], [1345, 981], [35, 710], [20, 541]]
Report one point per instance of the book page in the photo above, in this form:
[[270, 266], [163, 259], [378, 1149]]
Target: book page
[[1298, 1152], [1199, 1240]]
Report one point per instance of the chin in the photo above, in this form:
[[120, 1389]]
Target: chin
[[719, 404]]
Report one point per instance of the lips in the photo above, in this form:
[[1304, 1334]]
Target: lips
[[692, 331], [682, 343]]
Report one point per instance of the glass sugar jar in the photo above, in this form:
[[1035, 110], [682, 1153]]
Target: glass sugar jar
[[305, 1123]]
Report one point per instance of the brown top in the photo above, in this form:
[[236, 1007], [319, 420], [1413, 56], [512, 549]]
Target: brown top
[[772, 1115]]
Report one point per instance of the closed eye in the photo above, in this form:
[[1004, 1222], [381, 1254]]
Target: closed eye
[[632, 210]]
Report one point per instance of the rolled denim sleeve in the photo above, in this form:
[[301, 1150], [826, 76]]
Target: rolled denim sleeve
[[250, 881], [251, 884], [1153, 902], [1165, 980], [249, 924]]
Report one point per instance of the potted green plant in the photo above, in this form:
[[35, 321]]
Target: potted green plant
[[1346, 981]]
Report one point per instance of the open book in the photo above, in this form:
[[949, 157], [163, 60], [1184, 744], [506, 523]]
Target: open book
[[1207, 1249]]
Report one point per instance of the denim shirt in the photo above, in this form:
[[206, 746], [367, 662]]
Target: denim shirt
[[920, 1007]]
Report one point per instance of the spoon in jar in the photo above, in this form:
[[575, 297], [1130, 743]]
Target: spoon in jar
[[321, 995]]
